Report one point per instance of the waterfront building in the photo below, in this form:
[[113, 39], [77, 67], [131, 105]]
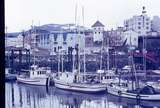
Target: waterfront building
[[14, 39], [131, 38], [98, 29], [139, 23], [54, 40], [40, 36], [116, 37], [64, 40]]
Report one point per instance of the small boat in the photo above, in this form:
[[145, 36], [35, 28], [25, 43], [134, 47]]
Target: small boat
[[9, 76], [37, 76], [154, 84], [129, 101], [145, 93]]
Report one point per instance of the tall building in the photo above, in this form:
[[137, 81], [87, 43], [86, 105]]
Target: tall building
[[140, 23], [156, 24]]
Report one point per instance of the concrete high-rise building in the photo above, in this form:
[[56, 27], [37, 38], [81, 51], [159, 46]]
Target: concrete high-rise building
[[140, 24], [156, 24]]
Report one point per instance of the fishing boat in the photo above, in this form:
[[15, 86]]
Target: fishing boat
[[68, 81], [145, 93], [141, 93], [76, 80], [132, 90], [36, 75]]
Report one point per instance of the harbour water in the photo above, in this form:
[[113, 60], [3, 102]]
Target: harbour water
[[29, 96]]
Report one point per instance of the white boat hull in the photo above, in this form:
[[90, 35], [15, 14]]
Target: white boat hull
[[80, 87], [33, 81], [125, 94]]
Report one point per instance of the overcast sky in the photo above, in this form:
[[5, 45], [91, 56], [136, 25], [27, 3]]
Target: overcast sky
[[20, 13]]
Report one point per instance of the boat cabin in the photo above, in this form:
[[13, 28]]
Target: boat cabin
[[70, 77], [39, 72]]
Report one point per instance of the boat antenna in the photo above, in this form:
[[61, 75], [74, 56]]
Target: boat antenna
[[34, 42]]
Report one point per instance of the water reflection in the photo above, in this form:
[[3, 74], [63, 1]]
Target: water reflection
[[28, 96]]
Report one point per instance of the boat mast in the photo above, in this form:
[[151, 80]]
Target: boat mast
[[84, 63], [144, 43], [62, 52], [78, 47], [58, 60], [73, 60], [108, 54], [79, 52], [34, 43], [101, 56]]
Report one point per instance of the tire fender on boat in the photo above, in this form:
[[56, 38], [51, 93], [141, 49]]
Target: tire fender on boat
[[106, 90], [138, 96], [119, 92]]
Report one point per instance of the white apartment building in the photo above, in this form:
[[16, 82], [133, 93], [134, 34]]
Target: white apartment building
[[156, 24], [140, 24]]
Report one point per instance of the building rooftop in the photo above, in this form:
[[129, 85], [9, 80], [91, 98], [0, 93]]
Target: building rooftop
[[97, 24]]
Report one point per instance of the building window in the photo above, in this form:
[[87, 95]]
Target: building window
[[139, 27], [139, 23], [54, 49], [99, 32], [139, 18], [147, 27], [139, 32], [55, 42], [64, 42], [95, 32], [55, 37], [147, 23]]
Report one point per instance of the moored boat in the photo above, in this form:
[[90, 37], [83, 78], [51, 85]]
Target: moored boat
[[68, 81], [37, 76], [146, 93]]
